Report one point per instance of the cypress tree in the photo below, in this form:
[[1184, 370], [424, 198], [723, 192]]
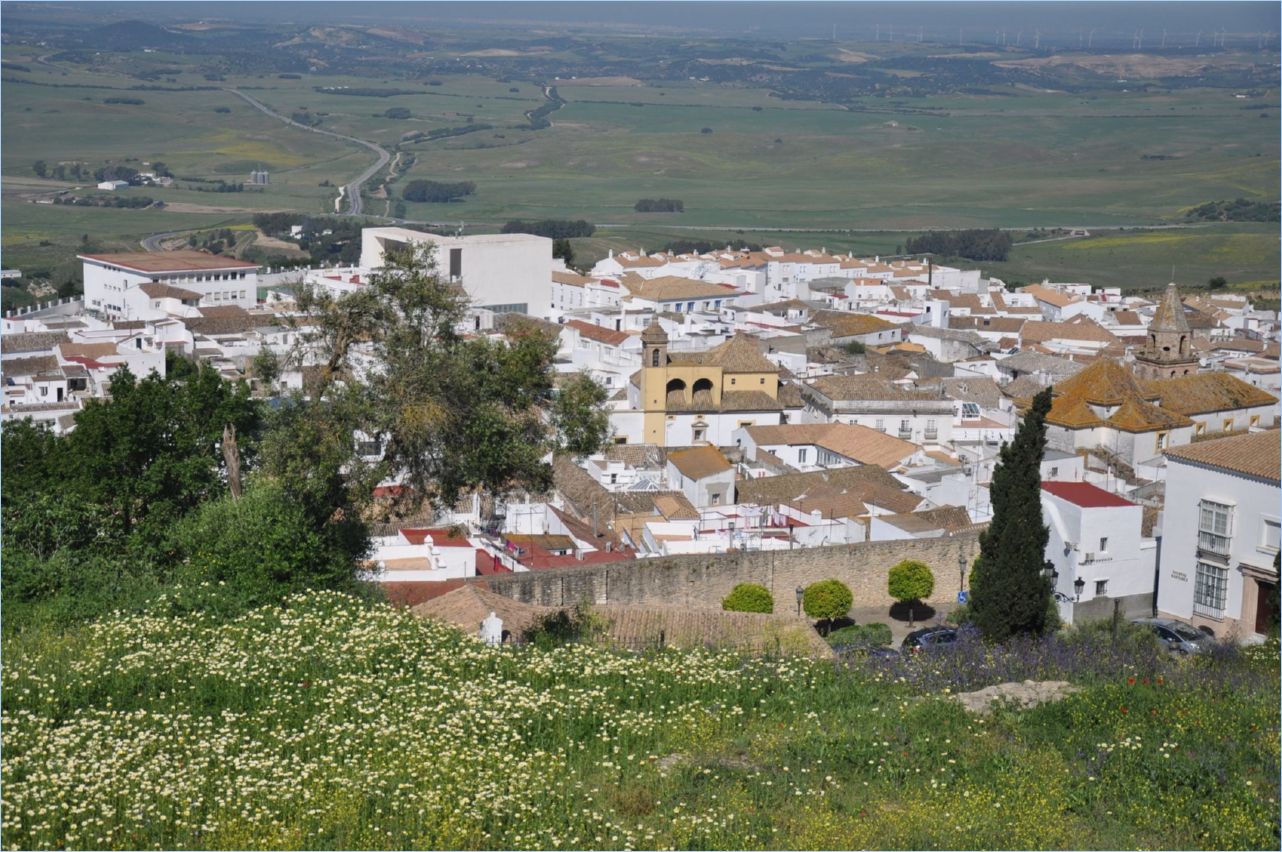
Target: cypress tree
[[1008, 593]]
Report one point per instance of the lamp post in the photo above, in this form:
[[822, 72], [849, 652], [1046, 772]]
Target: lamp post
[[1078, 585], [961, 572], [731, 536], [800, 594]]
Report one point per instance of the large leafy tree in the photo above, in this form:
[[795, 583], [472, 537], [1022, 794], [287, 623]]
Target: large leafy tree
[[1008, 592], [451, 413]]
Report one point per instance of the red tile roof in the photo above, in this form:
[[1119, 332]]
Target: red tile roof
[[440, 538], [596, 332], [1084, 494]]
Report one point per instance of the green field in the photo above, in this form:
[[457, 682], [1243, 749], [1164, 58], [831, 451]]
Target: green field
[[1016, 157], [327, 723], [1245, 254]]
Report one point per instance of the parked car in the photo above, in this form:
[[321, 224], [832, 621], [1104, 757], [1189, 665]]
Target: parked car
[[928, 637], [1177, 636]]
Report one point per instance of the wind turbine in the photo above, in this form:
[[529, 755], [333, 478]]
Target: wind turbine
[[1198, 41], [1019, 37], [1037, 39], [1163, 38], [1090, 40]]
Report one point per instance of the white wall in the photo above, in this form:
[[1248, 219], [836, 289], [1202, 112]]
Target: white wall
[[1254, 504], [497, 269], [1126, 563]]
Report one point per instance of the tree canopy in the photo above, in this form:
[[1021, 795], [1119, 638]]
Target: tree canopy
[[1008, 593], [749, 597]]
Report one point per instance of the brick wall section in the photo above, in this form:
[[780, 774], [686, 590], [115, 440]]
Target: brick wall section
[[701, 582]]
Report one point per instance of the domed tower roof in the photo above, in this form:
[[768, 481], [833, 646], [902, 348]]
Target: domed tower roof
[[1170, 313], [654, 335]]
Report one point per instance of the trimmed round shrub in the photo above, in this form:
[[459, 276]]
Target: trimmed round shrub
[[827, 599], [749, 597], [861, 636], [911, 581]]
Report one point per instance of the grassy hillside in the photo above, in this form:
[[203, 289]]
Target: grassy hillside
[[336, 724]]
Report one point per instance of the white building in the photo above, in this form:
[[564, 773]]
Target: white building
[[703, 475], [1220, 534], [1098, 552], [504, 273], [215, 280]]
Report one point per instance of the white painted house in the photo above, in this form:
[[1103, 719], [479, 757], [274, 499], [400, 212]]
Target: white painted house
[[1098, 551], [1220, 534]]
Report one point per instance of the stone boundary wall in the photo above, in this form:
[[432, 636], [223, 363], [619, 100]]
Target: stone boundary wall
[[702, 581]]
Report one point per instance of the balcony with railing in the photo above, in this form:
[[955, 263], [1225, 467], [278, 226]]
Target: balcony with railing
[[1212, 545], [905, 434], [932, 434]]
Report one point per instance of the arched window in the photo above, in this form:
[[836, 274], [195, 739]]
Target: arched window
[[676, 386], [703, 385], [654, 359]]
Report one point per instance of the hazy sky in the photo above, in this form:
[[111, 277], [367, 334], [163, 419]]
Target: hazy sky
[[852, 20]]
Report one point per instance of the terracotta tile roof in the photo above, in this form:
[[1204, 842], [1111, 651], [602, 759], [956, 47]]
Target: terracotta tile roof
[[635, 262], [169, 261], [1204, 393], [739, 354], [1135, 415], [1253, 454], [843, 324], [701, 401], [409, 593], [1045, 294], [676, 506], [596, 332], [1105, 382], [29, 366], [32, 341], [226, 312], [864, 445], [1069, 411], [160, 290], [468, 606], [946, 518], [698, 462], [868, 387], [668, 288], [1078, 328], [866, 483], [980, 389], [571, 278]]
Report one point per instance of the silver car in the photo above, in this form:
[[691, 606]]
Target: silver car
[[1177, 636]]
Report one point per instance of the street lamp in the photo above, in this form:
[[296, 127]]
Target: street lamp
[[731, 535], [800, 593], [1078, 585], [961, 572]]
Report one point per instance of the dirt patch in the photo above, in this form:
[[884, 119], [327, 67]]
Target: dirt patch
[[1030, 693], [274, 244], [518, 164], [187, 207], [502, 51], [852, 56], [631, 82], [1125, 66]]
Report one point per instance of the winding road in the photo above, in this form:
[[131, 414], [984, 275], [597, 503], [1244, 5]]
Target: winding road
[[352, 191]]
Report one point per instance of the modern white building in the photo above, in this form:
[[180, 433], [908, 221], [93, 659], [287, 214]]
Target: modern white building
[[1220, 534], [503, 273], [196, 276]]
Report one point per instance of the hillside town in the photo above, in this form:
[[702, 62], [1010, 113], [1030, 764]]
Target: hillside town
[[776, 400]]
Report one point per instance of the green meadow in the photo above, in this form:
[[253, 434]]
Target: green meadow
[[740, 158]]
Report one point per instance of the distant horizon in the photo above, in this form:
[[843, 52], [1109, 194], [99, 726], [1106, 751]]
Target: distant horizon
[[1059, 23]]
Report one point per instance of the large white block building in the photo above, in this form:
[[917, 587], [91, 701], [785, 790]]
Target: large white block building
[[1220, 534], [112, 280], [503, 273]]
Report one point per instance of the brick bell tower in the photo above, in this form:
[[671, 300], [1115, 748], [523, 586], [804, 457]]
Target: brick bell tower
[[1168, 348]]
